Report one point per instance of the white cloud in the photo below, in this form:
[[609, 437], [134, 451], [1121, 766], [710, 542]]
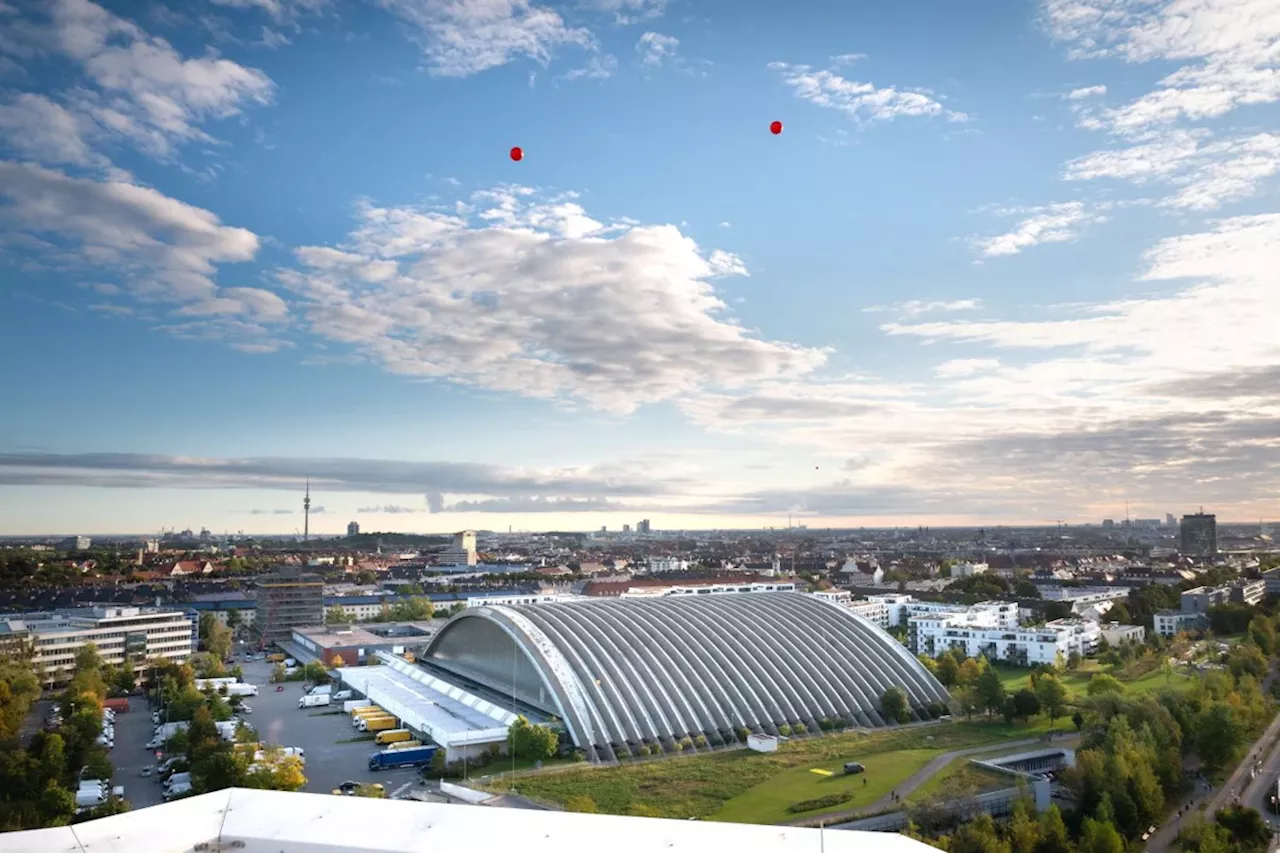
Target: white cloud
[[916, 307], [725, 225], [143, 90], [532, 296], [279, 10], [40, 129], [1086, 92], [1206, 173], [598, 67], [464, 38], [965, 367], [655, 48], [160, 249], [1055, 223], [1230, 47], [627, 12], [861, 101]]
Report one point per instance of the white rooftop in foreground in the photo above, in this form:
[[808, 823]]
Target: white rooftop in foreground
[[424, 703], [278, 822]]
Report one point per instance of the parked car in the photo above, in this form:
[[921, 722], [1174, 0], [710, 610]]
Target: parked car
[[245, 708], [146, 771]]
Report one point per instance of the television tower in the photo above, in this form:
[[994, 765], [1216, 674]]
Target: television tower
[[306, 513]]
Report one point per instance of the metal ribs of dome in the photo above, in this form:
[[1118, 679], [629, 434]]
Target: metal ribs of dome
[[629, 671]]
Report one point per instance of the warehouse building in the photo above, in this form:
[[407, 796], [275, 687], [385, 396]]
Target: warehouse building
[[625, 672]]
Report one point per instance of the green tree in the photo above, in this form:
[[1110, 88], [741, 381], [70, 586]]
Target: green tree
[[978, 836], [1102, 684], [1053, 832], [1073, 660], [336, 616], [414, 609], [948, 669], [991, 691], [1024, 829], [1220, 735], [215, 636], [1052, 695], [277, 673], [1026, 704], [1099, 837], [893, 705], [315, 673], [234, 620], [532, 742]]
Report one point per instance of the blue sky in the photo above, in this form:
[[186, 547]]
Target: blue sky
[[1008, 262]]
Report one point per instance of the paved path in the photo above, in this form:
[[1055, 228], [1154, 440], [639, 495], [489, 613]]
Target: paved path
[[1264, 749], [933, 768]]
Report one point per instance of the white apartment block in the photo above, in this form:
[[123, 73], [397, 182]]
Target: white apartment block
[[531, 598], [968, 570], [135, 632], [1171, 623], [1081, 597], [1023, 646], [658, 565]]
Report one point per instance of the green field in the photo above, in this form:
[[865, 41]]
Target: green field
[[750, 787], [1015, 678]]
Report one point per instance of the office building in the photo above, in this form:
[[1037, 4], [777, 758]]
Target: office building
[[119, 633], [643, 527], [463, 552], [286, 600], [1199, 535], [353, 528]]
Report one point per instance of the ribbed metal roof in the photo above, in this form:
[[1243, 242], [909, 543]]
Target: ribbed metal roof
[[621, 672]]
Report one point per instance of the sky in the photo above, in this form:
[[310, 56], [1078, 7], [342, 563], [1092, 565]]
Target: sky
[[1007, 262]]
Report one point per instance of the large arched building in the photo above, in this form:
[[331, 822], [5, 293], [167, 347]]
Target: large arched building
[[632, 671]]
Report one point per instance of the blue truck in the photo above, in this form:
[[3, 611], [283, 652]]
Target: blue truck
[[389, 758]]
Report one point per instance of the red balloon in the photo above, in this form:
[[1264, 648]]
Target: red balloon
[[517, 154], [775, 128]]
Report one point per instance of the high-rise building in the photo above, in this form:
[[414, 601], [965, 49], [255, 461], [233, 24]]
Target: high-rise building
[[643, 526], [1169, 520], [1199, 535], [463, 552], [353, 528], [287, 599]]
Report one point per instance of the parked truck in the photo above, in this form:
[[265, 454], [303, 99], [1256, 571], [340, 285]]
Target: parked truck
[[216, 684], [313, 701], [393, 735], [378, 724], [167, 730], [351, 704], [119, 705], [405, 744], [320, 690], [276, 658], [242, 690], [389, 758], [369, 711]]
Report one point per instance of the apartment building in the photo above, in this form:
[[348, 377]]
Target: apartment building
[[135, 633]]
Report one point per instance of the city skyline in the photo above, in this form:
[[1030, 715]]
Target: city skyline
[[1002, 265]]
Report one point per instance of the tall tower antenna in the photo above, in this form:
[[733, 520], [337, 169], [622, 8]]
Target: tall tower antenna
[[306, 513]]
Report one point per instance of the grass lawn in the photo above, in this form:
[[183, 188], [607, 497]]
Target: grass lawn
[[1015, 678], [959, 778], [723, 785]]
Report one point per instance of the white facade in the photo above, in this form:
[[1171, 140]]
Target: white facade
[[1083, 595], [1024, 646], [531, 598], [1116, 634], [463, 552], [968, 570], [140, 633], [1170, 623], [658, 565], [717, 589]]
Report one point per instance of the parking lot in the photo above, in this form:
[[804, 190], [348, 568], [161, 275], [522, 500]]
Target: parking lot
[[279, 721], [318, 731]]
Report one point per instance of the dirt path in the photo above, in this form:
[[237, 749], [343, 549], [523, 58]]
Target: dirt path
[[933, 768]]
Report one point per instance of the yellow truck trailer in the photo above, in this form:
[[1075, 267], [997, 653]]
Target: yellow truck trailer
[[404, 744], [393, 736], [369, 711], [378, 724]]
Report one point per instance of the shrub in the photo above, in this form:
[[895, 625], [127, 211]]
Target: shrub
[[784, 730], [800, 728], [679, 746], [686, 742], [577, 755], [820, 802], [826, 724], [700, 741], [744, 733]]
